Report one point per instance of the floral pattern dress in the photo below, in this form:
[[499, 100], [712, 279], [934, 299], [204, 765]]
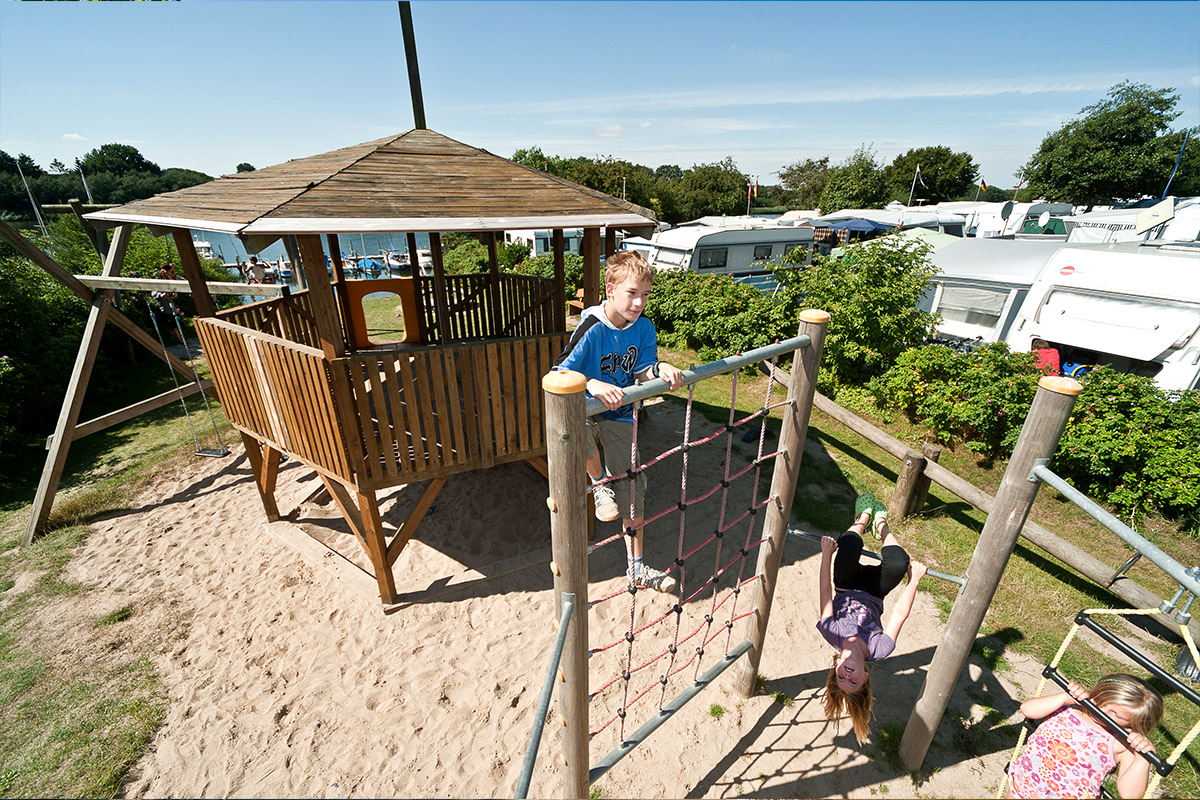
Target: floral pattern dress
[[1064, 757]]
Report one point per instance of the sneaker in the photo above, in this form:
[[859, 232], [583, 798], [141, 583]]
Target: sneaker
[[659, 581], [606, 503], [865, 502]]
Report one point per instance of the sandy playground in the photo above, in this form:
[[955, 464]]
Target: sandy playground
[[286, 679]]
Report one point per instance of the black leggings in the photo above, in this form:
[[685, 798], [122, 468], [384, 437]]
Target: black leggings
[[877, 579]]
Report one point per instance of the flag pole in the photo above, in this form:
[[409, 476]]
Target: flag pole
[[913, 188]]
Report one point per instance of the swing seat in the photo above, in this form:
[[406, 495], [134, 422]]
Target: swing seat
[[212, 452]]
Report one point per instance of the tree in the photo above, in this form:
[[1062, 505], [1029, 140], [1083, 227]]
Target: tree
[[119, 159], [1117, 149], [945, 175], [856, 183], [718, 188], [245, 167], [804, 181]]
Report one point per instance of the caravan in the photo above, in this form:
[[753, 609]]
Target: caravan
[[745, 248]]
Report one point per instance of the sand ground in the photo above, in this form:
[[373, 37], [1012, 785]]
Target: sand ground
[[286, 680]]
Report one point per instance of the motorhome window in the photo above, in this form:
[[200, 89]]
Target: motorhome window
[[953, 230], [787, 248], [713, 258], [673, 258], [980, 307], [762, 252]]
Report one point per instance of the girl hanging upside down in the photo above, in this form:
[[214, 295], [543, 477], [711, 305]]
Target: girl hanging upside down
[[852, 610], [1072, 751]]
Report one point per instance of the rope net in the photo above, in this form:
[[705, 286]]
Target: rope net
[[655, 640]]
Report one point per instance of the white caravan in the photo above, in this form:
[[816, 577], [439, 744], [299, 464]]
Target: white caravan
[[746, 248], [1133, 306]]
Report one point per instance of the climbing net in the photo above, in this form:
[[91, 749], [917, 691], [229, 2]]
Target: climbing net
[[1161, 767], [717, 530]]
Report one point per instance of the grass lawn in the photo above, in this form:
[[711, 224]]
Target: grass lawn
[[75, 722]]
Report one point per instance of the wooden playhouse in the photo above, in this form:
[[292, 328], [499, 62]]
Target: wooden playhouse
[[297, 377]]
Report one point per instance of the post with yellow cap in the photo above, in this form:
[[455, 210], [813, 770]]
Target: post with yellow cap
[[796, 413], [566, 455], [1044, 425]]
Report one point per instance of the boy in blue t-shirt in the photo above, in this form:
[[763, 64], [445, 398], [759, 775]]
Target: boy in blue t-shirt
[[615, 347]]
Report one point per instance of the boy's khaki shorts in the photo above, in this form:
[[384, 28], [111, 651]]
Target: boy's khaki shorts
[[617, 439]]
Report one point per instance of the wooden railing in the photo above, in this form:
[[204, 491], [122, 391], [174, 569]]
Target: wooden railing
[[523, 306], [278, 391], [289, 317], [439, 410]]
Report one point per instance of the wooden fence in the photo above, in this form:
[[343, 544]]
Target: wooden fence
[[521, 305]]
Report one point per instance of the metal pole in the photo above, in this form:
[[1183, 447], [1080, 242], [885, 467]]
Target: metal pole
[[796, 413], [414, 74], [566, 454], [1039, 439], [539, 717]]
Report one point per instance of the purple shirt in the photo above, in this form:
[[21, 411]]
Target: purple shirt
[[857, 613]]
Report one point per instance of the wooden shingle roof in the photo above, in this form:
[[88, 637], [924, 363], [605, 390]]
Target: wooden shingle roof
[[416, 181]]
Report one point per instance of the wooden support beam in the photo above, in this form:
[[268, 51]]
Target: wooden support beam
[[96, 237], [560, 281], [592, 288], [164, 285], [205, 307], [264, 463], [339, 281], [64, 430], [432, 489], [493, 326], [149, 404], [377, 546], [441, 307], [320, 293], [904, 495]]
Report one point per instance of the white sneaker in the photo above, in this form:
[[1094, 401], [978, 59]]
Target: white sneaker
[[659, 581], [606, 503]]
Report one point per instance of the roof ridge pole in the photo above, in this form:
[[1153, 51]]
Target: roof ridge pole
[[414, 74]]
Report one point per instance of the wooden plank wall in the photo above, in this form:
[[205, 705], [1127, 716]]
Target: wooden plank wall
[[440, 410], [278, 391], [289, 318], [526, 307]]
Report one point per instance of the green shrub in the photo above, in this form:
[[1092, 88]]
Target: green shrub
[[715, 315], [543, 267], [980, 398], [465, 256], [871, 292], [1134, 446]]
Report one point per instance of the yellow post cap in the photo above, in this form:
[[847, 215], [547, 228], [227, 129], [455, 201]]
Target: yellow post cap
[[563, 381], [814, 315], [1061, 385]]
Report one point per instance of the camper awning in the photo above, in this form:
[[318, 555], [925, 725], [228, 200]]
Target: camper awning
[[1134, 327]]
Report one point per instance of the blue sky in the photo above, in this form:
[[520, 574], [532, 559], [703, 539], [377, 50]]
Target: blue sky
[[207, 84]]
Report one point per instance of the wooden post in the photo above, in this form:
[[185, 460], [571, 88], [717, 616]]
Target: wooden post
[[566, 456], [932, 453], [97, 238], [783, 488], [293, 253], [264, 463], [591, 266], [494, 324], [560, 281], [64, 429], [333, 344], [440, 304], [1038, 440], [339, 279], [610, 242], [911, 470], [190, 262]]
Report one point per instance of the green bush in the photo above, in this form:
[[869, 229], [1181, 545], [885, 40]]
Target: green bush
[[980, 398], [1134, 446], [871, 292], [715, 315], [543, 267]]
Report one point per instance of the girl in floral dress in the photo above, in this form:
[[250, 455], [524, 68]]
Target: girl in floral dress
[[1071, 751]]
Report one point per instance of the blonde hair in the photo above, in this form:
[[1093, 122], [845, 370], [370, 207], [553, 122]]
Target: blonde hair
[[627, 264], [857, 706], [1145, 705]]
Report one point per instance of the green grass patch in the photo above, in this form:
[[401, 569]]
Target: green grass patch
[[383, 318], [716, 711], [113, 617]]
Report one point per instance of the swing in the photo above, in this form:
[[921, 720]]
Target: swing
[[208, 452], [1161, 767]]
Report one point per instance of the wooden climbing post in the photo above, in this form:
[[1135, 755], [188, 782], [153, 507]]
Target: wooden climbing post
[[566, 455], [904, 495], [1039, 437], [796, 413]]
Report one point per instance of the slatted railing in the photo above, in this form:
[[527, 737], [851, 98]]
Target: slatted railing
[[289, 317], [524, 307], [439, 410]]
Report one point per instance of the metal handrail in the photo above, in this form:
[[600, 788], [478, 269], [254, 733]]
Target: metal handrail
[[1158, 557], [539, 718], [658, 386]]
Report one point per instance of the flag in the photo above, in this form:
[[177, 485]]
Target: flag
[[922, 180], [982, 185], [756, 186], [1019, 183], [748, 190]]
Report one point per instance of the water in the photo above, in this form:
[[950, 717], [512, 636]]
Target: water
[[229, 248]]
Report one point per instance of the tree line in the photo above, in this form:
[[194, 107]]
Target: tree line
[[1120, 148]]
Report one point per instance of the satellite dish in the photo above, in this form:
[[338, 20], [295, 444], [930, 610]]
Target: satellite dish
[[1043, 219], [1154, 216], [1006, 212]]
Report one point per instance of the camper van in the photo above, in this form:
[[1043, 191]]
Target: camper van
[[981, 285], [745, 248], [1133, 306]]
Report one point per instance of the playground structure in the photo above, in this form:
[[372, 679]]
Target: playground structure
[[295, 376], [1007, 515]]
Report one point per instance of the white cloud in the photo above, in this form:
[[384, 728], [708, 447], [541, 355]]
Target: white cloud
[[609, 131], [74, 137], [645, 124]]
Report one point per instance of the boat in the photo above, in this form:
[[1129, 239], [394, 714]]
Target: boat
[[744, 247], [204, 250]]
